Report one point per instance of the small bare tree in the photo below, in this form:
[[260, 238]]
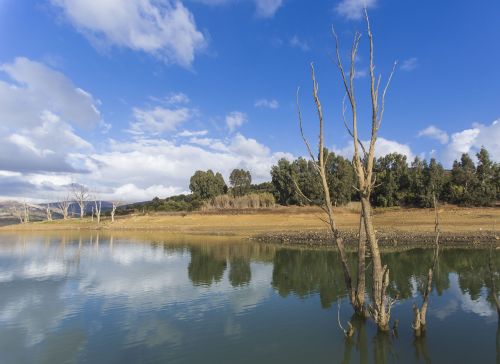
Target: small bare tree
[[114, 205], [17, 210], [26, 211], [81, 196], [97, 209], [419, 315], [64, 204], [363, 161], [48, 211]]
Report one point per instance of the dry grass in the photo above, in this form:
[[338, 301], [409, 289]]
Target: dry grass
[[453, 219]]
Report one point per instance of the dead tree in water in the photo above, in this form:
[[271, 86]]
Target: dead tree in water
[[356, 294], [419, 315], [114, 205], [363, 161]]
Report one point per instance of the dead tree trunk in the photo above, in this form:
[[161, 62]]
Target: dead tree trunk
[[98, 209], [114, 206], [63, 205], [81, 196], [49, 213], [363, 166], [26, 212], [356, 294], [420, 315]]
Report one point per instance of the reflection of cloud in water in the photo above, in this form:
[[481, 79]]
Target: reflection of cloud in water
[[456, 299], [53, 284]]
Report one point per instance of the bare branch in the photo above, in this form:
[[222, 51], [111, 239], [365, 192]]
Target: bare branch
[[302, 129]]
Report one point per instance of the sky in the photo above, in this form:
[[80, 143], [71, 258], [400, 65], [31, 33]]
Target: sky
[[131, 97]]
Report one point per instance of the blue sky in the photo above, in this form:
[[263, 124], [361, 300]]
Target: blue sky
[[131, 97]]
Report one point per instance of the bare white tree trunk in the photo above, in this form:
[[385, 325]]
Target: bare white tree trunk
[[114, 206], [49, 213], [81, 196], [64, 204], [26, 212], [98, 209]]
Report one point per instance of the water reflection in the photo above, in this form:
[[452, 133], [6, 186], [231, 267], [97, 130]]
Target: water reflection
[[73, 297]]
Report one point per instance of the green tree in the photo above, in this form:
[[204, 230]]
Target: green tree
[[282, 176], [463, 181], [307, 179], [392, 180], [340, 177], [418, 188], [434, 182], [207, 185], [485, 193], [240, 181]]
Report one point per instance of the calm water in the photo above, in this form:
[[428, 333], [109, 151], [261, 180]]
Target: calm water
[[81, 299]]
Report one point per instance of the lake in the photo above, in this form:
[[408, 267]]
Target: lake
[[152, 299]]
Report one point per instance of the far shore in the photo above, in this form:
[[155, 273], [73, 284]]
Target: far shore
[[297, 225]]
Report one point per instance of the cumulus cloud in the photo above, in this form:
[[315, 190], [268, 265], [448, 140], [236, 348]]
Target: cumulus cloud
[[409, 64], [434, 133], [265, 103], [35, 88], [158, 120], [471, 140], [177, 98], [235, 119], [38, 109], [165, 29], [383, 147], [353, 9]]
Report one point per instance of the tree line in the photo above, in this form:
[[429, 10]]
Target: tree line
[[397, 182]]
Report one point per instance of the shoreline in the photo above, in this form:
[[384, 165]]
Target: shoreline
[[294, 225]]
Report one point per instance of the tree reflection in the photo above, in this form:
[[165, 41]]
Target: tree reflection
[[240, 273], [205, 268]]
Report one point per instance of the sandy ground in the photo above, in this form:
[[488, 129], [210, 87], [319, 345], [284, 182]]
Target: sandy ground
[[293, 219]]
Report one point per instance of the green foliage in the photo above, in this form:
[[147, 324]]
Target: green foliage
[[207, 185], [392, 182], [240, 181]]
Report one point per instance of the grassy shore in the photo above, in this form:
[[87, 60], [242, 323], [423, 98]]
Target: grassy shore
[[286, 220]]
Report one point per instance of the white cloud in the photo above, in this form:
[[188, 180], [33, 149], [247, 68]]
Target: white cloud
[[383, 147], [353, 9], [409, 64], [296, 42], [158, 120], [192, 133], [471, 140], [177, 98], [264, 8], [435, 133], [165, 29], [265, 103], [267, 8], [36, 88], [235, 119], [37, 111]]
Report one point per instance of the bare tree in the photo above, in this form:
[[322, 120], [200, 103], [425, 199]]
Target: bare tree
[[356, 294], [363, 161], [114, 205], [81, 196], [26, 211], [64, 204], [419, 315], [48, 211], [98, 209], [17, 210]]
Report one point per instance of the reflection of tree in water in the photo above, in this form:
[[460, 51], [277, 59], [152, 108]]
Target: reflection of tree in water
[[239, 271], [205, 268], [304, 272]]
